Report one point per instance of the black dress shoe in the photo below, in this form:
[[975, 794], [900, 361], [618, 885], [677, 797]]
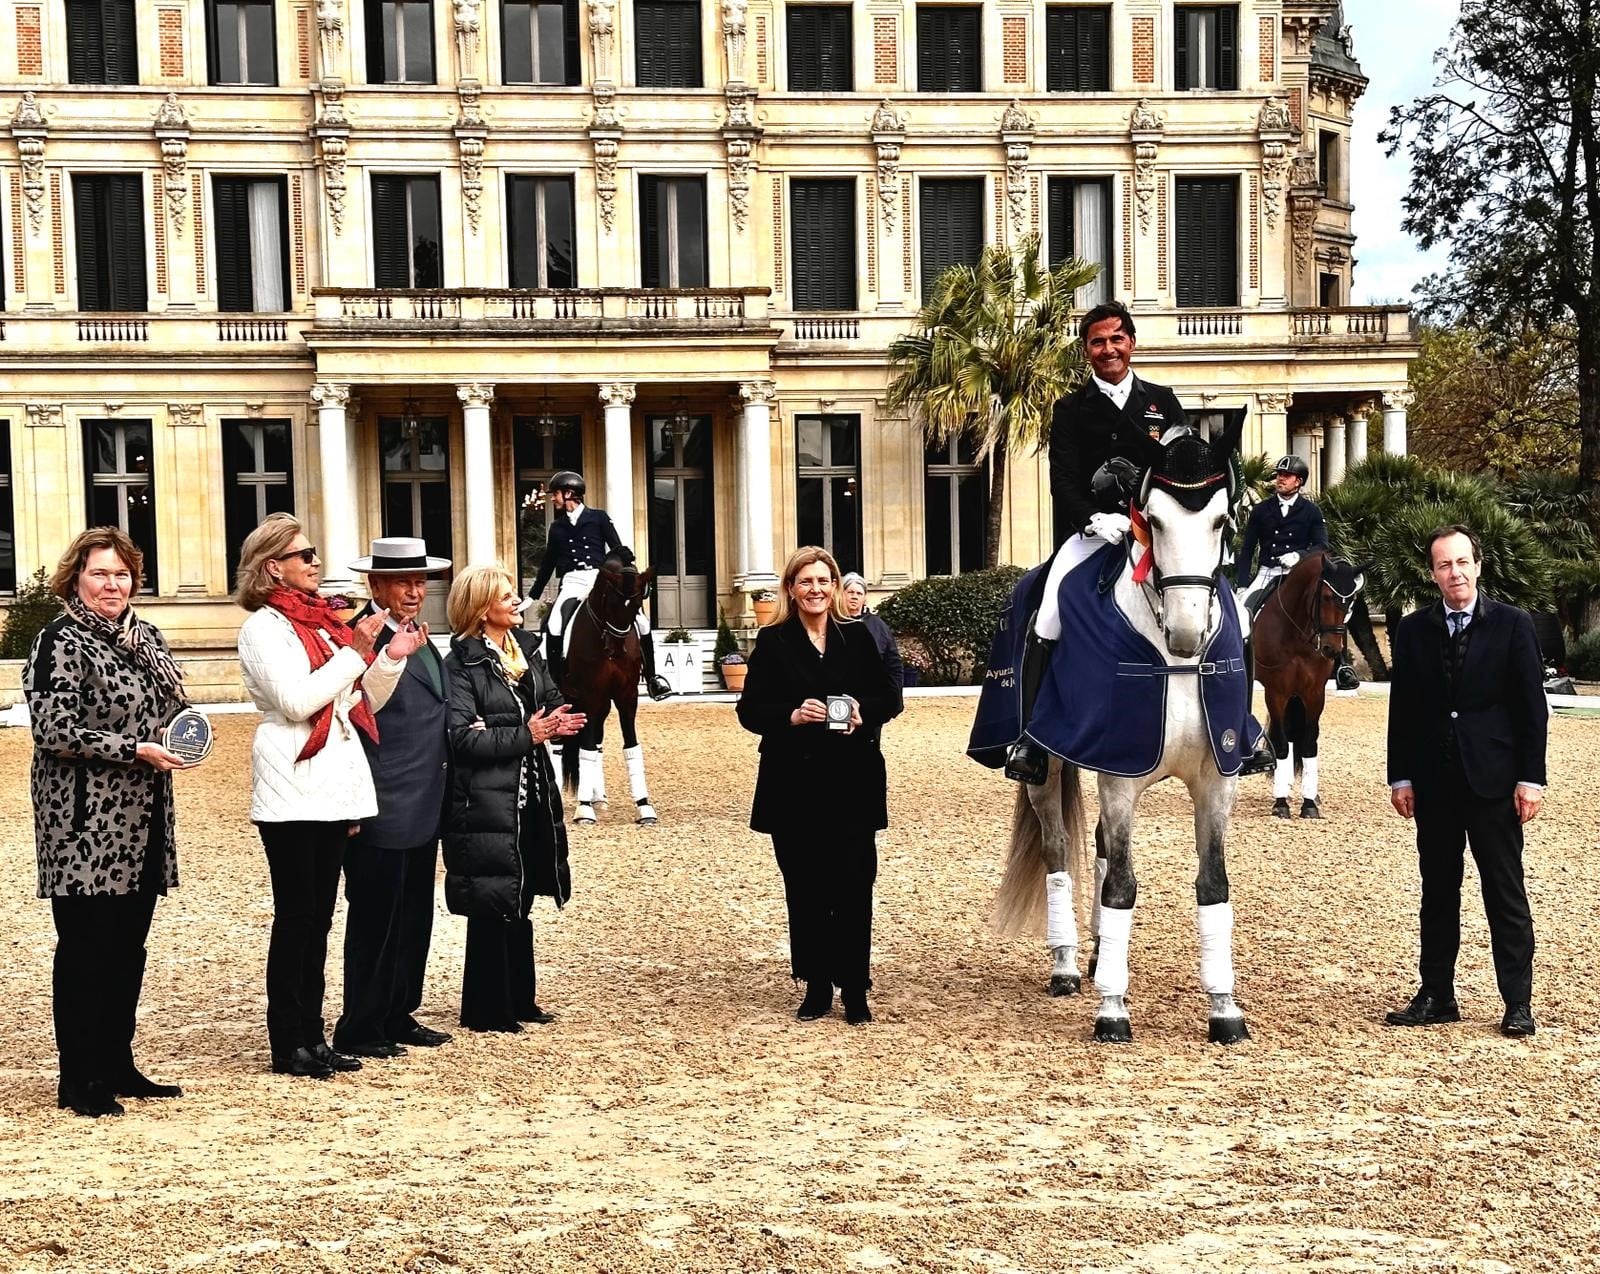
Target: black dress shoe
[[132, 1084], [856, 1011], [1425, 1009], [1518, 1021], [1027, 762], [302, 1062], [337, 1061], [372, 1048], [422, 1036], [91, 1098], [505, 1028], [538, 1016], [818, 1002]]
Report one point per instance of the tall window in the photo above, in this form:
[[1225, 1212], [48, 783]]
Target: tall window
[[399, 42], [257, 475], [540, 42], [956, 496], [1206, 42], [828, 485], [121, 492], [102, 46], [1077, 48], [1080, 226], [950, 224], [8, 525], [949, 49], [541, 240], [543, 445], [820, 39], [673, 232], [416, 480], [667, 43], [239, 42], [406, 240], [252, 249], [108, 229], [1328, 163], [1208, 241], [822, 216]]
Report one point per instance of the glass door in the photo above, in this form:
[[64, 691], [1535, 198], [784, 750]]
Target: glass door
[[681, 528]]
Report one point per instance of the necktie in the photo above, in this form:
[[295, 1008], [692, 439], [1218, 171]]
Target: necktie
[[1458, 621]]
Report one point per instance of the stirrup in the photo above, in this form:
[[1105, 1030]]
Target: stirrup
[[1262, 761], [1027, 762], [1346, 678], [658, 688]]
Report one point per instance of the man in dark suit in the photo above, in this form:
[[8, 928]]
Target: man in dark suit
[[1113, 415], [390, 864], [1467, 728]]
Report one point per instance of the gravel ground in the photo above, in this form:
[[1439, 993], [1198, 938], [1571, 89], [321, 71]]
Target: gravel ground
[[678, 1117]]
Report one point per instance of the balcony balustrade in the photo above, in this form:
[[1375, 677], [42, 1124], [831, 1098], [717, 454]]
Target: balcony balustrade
[[549, 311]]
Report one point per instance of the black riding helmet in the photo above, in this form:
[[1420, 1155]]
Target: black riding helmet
[[1294, 466], [567, 480]]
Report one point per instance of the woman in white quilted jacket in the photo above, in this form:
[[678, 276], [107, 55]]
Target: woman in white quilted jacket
[[317, 683]]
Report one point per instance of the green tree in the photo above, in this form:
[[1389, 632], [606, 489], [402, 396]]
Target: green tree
[[995, 346]]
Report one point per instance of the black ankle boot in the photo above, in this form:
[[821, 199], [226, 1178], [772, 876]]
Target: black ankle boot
[[654, 682], [90, 1098], [1027, 761], [818, 1002], [856, 1011], [1263, 760], [132, 1083]]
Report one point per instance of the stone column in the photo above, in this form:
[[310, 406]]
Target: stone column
[[478, 461], [1355, 442], [741, 546], [756, 429], [617, 397], [1395, 403], [191, 551], [339, 545], [1272, 425], [1303, 443], [1333, 452]]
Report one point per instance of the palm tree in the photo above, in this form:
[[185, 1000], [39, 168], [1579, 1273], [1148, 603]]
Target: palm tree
[[995, 347]]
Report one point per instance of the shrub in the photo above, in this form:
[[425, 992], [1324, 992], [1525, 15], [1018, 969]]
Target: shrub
[[950, 620], [727, 643], [680, 635], [1583, 657], [33, 607]]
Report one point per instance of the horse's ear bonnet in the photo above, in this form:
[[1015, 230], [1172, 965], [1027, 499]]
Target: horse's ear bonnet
[[1191, 469]]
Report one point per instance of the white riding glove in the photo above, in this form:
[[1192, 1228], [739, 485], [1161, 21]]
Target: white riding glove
[[1110, 527], [1288, 560]]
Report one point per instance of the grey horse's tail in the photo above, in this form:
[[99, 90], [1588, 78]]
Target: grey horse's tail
[[1019, 906]]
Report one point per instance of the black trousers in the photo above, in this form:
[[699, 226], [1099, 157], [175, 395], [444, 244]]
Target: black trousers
[[498, 982], [827, 884], [1449, 817], [304, 860], [387, 931], [98, 973]]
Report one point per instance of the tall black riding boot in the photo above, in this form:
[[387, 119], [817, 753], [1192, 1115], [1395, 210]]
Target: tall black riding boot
[[1027, 762], [554, 660], [1263, 760], [654, 682]]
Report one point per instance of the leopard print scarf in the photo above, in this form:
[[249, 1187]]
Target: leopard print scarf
[[129, 636]]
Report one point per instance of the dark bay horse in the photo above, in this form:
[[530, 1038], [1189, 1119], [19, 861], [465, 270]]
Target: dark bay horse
[[1298, 633], [603, 660]]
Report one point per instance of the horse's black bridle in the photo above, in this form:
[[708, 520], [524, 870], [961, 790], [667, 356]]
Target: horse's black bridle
[[1314, 632], [628, 602]]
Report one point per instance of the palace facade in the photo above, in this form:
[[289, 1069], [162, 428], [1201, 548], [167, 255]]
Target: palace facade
[[389, 263]]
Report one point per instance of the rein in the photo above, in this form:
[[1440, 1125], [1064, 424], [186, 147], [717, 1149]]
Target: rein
[[1312, 633]]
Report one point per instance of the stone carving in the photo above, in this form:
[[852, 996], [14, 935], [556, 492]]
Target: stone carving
[[605, 179], [1144, 118], [332, 114], [332, 131], [330, 33], [184, 415], [471, 95], [1275, 117], [113, 406], [1393, 399], [741, 102], [44, 415], [888, 132], [29, 130], [1015, 119], [758, 392], [886, 120], [1302, 221], [172, 133], [467, 26], [733, 37], [1146, 126], [327, 394], [618, 394], [602, 24], [1305, 172], [1301, 27], [1273, 403], [740, 168], [470, 132], [605, 108], [256, 409], [1016, 129], [475, 395], [1274, 174]]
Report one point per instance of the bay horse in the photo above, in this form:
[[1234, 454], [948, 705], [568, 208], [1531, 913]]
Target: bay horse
[[1177, 603], [1298, 634], [603, 660]]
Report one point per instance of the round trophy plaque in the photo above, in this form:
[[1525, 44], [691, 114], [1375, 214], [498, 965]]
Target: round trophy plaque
[[189, 736], [839, 709]]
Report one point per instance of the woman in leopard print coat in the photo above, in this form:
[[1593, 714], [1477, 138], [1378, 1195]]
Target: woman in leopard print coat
[[100, 685]]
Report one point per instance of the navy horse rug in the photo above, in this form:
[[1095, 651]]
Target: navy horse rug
[[1103, 702], [999, 721]]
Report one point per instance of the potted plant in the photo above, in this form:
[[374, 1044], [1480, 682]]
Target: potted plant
[[765, 604], [730, 661], [680, 661], [733, 669]]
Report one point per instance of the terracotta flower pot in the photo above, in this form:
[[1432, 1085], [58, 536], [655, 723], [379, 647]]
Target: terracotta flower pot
[[733, 676], [766, 612]]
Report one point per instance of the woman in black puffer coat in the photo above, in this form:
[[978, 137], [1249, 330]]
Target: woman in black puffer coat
[[505, 841]]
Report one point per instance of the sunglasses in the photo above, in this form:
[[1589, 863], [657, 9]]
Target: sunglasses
[[308, 555]]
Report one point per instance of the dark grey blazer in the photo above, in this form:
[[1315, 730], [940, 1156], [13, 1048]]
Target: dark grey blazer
[[411, 760]]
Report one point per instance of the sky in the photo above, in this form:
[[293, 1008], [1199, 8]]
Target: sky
[[1394, 44]]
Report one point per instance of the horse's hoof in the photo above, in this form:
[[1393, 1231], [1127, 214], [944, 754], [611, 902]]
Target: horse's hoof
[[1310, 809], [1280, 808], [1113, 1030], [646, 820], [584, 817], [1227, 1030], [1065, 984]]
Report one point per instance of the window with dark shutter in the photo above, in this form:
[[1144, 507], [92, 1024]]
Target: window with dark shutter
[[1206, 47], [1207, 241], [820, 49], [950, 224], [102, 42], [407, 244], [539, 41], [541, 233], [8, 525], [1077, 49], [822, 216], [252, 250], [108, 231], [399, 42], [828, 485], [240, 42], [949, 49], [672, 232], [1078, 225], [667, 43]]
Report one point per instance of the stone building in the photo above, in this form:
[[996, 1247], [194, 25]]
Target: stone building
[[388, 263]]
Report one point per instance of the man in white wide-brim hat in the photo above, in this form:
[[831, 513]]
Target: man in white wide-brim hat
[[389, 864]]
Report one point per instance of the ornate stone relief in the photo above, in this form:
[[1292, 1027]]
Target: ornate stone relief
[[1300, 27], [172, 133], [330, 33], [328, 393], [1016, 131], [758, 391], [475, 395], [44, 415], [602, 22], [467, 27], [1305, 193], [471, 130], [1393, 399], [605, 131], [184, 415], [1273, 403], [1276, 128], [618, 394], [1146, 126], [733, 37], [740, 135], [29, 130], [332, 131], [889, 133]]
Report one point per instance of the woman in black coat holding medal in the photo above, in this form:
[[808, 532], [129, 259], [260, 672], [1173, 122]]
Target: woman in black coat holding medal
[[813, 758]]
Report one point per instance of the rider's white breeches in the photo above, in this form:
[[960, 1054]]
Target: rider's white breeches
[[1079, 549], [1263, 577], [575, 586]]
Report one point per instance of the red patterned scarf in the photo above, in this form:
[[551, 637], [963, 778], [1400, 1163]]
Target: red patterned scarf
[[311, 615]]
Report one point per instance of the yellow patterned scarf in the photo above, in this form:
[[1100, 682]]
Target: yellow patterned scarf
[[513, 663]]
